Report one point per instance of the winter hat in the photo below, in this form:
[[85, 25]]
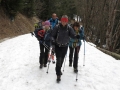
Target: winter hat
[[47, 23], [64, 18]]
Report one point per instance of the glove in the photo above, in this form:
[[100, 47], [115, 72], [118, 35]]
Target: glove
[[53, 42], [78, 36], [42, 41], [53, 48], [38, 38], [32, 33]]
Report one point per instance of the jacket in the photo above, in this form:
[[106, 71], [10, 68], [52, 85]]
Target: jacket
[[61, 35], [53, 22], [47, 37]]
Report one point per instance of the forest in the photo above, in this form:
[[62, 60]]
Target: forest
[[100, 18]]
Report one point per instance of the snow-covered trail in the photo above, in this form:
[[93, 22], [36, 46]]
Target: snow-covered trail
[[19, 69]]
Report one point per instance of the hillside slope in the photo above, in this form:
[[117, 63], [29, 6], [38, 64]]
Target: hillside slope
[[21, 25]]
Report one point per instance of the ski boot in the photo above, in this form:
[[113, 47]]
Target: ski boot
[[75, 70], [59, 78]]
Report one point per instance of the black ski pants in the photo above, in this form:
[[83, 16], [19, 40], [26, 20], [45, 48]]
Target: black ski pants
[[74, 51], [43, 54], [60, 55]]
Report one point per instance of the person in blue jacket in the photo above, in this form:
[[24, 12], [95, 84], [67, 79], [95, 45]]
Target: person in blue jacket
[[74, 46], [54, 20]]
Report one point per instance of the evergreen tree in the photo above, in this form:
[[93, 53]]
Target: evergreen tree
[[12, 6], [29, 7], [59, 7]]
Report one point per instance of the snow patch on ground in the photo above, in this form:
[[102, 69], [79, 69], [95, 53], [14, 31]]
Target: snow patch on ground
[[19, 68]]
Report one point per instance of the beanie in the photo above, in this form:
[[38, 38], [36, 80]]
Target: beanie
[[47, 23], [63, 19]]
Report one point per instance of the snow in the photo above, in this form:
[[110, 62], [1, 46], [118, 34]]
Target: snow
[[19, 68]]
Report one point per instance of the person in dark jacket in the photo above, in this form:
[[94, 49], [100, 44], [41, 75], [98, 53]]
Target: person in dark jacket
[[47, 41], [60, 38], [45, 44], [39, 34], [74, 46]]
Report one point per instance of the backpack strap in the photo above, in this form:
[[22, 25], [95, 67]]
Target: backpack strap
[[68, 27], [58, 26]]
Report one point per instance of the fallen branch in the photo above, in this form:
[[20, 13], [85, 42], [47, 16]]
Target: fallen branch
[[115, 55]]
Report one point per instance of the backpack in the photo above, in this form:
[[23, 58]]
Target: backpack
[[38, 25], [39, 34]]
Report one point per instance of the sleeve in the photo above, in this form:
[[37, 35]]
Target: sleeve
[[35, 32], [82, 33], [54, 33], [72, 40], [71, 32]]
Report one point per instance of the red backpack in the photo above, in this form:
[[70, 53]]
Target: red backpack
[[41, 33]]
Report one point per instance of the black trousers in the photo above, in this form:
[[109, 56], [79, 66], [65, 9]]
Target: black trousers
[[74, 51], [60, 55], [43, 54]]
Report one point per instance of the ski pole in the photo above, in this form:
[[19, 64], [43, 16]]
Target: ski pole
[[51, 50], [84, 55], [41, 42], [49, 59], [48, 67], [76, 76], [47, 46], [78, 48], [64, 63]]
